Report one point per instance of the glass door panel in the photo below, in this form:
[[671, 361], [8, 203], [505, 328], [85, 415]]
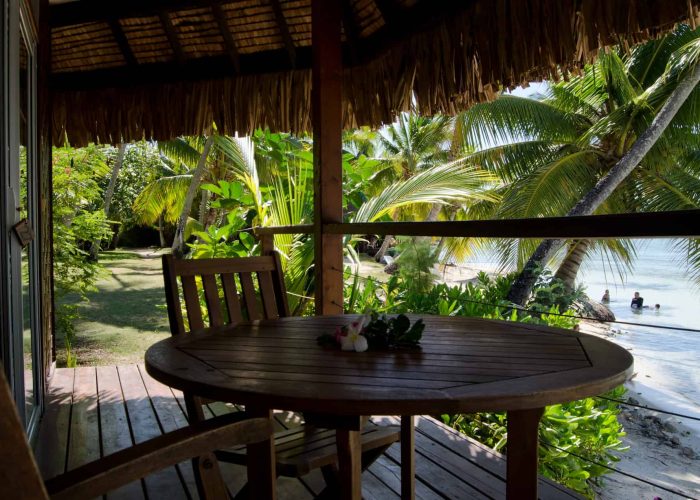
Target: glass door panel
[[24, 277]]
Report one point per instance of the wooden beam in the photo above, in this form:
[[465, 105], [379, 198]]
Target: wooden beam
[[122, 42], [677, 224], [172, 36], [352, 35], [205, 68], [284, 32], [388, 10], [89, 11], [230, 43], [300, 229], [327, 119]]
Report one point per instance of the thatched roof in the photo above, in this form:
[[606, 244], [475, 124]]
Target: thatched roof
[[159, 68]]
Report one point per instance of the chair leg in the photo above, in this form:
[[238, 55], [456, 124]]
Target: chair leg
[[207, 474], [332, 489]]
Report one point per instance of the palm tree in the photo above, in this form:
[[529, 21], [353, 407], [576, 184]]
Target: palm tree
[[95, 247], [195, 181], [617, 138], [411, 145]]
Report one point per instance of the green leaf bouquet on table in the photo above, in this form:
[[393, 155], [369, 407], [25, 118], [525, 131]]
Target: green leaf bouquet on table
[[376, 332]]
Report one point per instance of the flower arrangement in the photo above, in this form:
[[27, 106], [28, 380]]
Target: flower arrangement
[[376, 332]]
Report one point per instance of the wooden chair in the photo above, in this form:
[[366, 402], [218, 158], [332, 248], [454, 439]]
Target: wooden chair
[[20, 477], [298, 451]]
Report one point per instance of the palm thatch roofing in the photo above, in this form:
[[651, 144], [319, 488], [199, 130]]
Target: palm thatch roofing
[[130, 69]]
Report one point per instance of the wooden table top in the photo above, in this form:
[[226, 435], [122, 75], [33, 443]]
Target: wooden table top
[[464, 365]]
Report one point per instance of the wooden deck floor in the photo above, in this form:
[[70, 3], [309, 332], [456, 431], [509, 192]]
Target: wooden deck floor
[[92, 412]]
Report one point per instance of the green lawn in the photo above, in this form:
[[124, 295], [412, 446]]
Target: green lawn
[[124, 316]]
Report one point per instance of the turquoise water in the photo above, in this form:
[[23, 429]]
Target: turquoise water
[[667, 360]]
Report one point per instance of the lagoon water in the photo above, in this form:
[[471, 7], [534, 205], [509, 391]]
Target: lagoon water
[[667, 361]]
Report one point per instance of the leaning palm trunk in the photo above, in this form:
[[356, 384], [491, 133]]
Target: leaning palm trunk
[[179, 240], [522, 286], [382, 249], [160, 231], [95, 247], [568, 269]]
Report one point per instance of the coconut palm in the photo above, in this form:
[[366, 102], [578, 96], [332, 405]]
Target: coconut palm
[[411, 145], [598, 143]]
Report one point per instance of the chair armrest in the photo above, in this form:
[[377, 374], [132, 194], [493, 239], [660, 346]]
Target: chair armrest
[[122, 467]]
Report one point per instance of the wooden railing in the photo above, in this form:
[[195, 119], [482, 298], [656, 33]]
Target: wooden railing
[[678, 224]]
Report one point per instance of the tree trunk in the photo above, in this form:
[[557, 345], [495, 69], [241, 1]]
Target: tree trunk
[[382, 249], [160, 231], [432, 217], [95, 247], [522, 286], [204, 203], [179, 240], [568, 269]]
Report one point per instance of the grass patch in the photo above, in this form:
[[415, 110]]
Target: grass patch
[[124, 316]]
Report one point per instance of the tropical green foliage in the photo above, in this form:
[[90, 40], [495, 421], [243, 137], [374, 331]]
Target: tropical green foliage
[[78, 220], [142, 165]]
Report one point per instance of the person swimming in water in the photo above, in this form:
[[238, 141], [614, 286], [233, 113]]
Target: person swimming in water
[[606, 296], [637, 301]]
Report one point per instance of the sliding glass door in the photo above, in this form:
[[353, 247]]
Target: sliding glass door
[[21, 336]]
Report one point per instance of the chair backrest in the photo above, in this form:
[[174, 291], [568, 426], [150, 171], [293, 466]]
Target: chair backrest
[[19, 474], [236, 278]]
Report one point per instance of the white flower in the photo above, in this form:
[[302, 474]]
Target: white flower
[[347, 342], [360, 343], [354, 342]]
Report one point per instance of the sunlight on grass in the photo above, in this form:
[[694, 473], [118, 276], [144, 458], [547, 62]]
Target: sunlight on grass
[[124, 316]]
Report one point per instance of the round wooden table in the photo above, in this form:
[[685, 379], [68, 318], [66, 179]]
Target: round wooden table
[[465, 365]]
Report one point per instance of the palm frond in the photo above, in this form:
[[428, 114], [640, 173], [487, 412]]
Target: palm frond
[[511, 118], [688, 251], [183, 150], [452, 182], [164, 196]]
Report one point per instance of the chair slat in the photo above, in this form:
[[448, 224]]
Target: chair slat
[[251, 304], [233, 304], [267, 294], [172, 297], [211, 295], [278, 285], [194, 312]]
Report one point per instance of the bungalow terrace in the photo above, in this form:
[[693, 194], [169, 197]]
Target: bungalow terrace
[[110, 72]]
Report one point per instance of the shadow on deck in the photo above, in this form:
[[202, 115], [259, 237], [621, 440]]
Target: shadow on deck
[[92, 412]]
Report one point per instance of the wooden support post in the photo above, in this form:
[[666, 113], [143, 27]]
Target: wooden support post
[[328, 173], [267, 244], [521, 472], [408, 458], [261, 462]]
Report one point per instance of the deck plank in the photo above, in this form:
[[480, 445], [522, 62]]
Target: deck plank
[[84, 441], [144, 424], [171, 417], [114, 426], [52, 440], [101, 410]]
